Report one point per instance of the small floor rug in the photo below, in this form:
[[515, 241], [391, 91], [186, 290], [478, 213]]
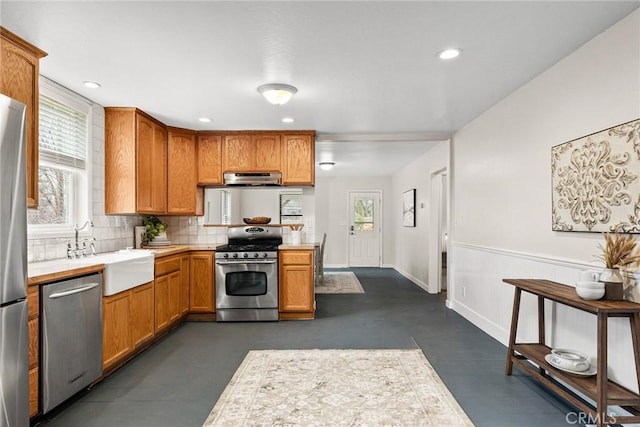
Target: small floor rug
[[336, 388], [339, 282]]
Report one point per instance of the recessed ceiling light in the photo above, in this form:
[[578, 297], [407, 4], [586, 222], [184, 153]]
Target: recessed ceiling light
[[287, 120], [204, 120], [449, 53], [91, 84], [326, 165]]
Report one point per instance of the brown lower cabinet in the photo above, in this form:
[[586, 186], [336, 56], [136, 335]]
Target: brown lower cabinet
[[33, 309], [202, 289], [168, 281], [127, 323], [297, 292]]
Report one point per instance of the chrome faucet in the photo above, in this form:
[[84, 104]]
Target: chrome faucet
[[78, 251]]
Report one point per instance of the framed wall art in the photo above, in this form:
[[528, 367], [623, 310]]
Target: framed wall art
[[596, 181], [409, 208]]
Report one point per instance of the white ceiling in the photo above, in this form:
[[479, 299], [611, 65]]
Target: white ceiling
[[366, 70]]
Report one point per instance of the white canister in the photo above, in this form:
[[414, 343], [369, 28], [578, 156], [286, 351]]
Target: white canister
[[589, 276], [296, 237]]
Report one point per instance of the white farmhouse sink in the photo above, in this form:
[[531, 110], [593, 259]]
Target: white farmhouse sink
[[123, 269]]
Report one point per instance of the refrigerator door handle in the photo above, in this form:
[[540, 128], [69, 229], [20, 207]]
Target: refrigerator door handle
[[73, 291]]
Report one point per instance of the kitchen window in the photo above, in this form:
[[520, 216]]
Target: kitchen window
[[64, 164], [291, 205]]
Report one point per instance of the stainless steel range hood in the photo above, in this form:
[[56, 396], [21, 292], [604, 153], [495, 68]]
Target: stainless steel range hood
[[254, 179]]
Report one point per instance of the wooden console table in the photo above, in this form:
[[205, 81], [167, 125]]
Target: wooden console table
[[599, 388]]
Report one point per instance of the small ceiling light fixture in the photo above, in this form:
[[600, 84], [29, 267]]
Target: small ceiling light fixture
[[204, 120], [326, 165], [277, 93], [287, 120], [91, 84], [449, 53]]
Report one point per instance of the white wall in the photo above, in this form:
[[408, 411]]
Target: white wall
[[501, 183], [332, 215], [415, 246]]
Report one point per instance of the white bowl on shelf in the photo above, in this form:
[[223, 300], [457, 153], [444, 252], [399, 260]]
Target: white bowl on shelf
[[589, 294], [590, 285]]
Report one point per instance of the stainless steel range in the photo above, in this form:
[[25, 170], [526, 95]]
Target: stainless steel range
[[247, 274]]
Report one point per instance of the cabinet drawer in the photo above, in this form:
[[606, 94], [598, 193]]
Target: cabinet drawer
[[296, 257], [33, 301], [167, 265]]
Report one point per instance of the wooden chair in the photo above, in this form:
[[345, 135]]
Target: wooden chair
[[320, 261]]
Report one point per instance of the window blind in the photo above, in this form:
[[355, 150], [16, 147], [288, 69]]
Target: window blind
[[63, 134]]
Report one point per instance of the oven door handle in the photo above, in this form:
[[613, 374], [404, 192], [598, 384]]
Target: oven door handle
[[270, 261]]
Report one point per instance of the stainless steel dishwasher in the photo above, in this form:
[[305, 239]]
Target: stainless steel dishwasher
[[71, 337]]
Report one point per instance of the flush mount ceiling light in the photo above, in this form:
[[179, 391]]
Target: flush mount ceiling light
[[326, 165], [91, 84], [287, 120], [277, 93], [449, 53], [204, 120]]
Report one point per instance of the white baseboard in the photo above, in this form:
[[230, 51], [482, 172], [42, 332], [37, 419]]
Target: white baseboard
[[480, 321], [336, 266], [414, 279]]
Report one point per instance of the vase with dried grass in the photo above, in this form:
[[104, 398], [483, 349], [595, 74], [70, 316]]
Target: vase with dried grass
[[619, 252]]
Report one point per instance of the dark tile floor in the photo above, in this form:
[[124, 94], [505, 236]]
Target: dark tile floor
[[177, 381]]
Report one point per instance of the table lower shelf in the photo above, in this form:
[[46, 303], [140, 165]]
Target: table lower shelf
[[616, 394]]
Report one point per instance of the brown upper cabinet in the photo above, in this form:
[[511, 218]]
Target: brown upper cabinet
[[135, 162], [251, 152], [184, 197], [291, 153], [298, 154], [209, 158], [19, 71]]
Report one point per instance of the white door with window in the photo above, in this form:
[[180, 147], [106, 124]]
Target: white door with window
[[364, 229]]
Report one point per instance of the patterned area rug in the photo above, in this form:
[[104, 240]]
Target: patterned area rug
[[339, 282], [336, 388]]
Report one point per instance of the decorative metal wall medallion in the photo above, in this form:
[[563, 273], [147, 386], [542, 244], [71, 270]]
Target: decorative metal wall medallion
[[596, 181]]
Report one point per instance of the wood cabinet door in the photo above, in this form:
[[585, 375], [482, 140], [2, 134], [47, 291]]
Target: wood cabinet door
[[162, 305], [120, 161], [296, 290], [185, 278], [267, 153], [209, 159], [19, 71], [184, 197], [116, 331], [142, 312], [298, 157], [150, 166], [174, 296], [201, 292], [237, 153], [33, 311]]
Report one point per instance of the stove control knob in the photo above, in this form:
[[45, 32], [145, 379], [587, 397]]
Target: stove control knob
[[264, 255], [256, 255], [235, 255], [226, 255], [245, 255]]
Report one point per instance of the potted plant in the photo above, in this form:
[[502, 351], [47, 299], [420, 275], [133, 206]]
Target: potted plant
[[155, 227], [618, 252]]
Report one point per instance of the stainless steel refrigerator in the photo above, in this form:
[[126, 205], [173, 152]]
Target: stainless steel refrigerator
[[14, 345]]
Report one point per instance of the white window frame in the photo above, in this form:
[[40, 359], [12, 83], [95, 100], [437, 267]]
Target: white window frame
[[81, 199]]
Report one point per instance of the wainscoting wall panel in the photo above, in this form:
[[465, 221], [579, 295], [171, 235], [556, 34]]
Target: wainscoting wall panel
[[479, 295]]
